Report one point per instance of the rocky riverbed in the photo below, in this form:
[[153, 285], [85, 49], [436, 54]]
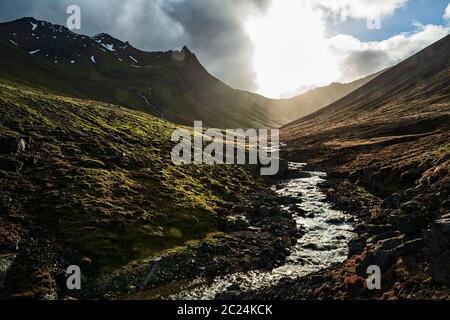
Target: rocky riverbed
[[283, 233], [326, 233], [405, 234]]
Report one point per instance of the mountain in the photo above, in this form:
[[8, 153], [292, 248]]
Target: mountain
[[172, 85], [407, 103], [315, 99], [395, 121]]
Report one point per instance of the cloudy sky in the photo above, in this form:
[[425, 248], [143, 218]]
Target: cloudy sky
[[274, 47]]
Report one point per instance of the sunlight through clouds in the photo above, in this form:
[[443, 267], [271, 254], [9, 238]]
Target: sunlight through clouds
[[290, 48], [292, 52]]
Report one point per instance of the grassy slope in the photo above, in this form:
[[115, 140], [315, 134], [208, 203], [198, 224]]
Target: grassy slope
[[316, 99], [392, 122], [85, 204]]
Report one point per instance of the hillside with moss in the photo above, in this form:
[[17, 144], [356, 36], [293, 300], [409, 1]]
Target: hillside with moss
[[87, 181]]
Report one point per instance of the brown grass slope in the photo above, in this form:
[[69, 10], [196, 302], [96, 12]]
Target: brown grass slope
[[318, 98], [402, 113]]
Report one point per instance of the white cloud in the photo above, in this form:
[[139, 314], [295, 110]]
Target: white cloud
[[359, 9], [292, 51], [357, 59], [447, 13]]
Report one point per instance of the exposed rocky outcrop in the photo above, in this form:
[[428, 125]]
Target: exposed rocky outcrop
[[437, 250], [12, 145]]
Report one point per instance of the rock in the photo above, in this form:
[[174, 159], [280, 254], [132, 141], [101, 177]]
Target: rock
[[283, 169], [437, 250], [302, 175], [356, 246], [345, 201], [354, 176], [383, 236], [311, 216], [5, 263], [373, 229], [119, 158], [335, 221], [410, 224], [285, 242], [30, 160], [446, 204], [392, 202], [289, 200], [298, 210], [389, 244], [12, 145], [263, 211], [85, 262], [10, 163], [236, 223], [410, 177], [412, 206]]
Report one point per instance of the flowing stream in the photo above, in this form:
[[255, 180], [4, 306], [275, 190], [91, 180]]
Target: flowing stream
[[324, 243]]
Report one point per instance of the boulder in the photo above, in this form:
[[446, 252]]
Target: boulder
[[263, 211], [283, 169], [410, 176], [412, 206], [410, 224], [10, 163], [5, 263], [12, 145], [289, 200], [437, 250], [389, 244], [119, 158], [446, 204], [392, 202]]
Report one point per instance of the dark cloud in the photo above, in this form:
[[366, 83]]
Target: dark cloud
[[217, 33], [213, 29], [359, 64]]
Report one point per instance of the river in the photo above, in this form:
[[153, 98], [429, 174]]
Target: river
[[324, 243]]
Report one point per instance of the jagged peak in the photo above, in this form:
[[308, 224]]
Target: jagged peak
[[26, 19], [186, 49]]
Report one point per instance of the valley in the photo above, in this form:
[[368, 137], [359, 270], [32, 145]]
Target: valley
[[87, 178]]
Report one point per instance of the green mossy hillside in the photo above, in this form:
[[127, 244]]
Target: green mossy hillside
[[102, 184]]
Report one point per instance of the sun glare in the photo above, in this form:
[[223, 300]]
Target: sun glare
[[290, 49]]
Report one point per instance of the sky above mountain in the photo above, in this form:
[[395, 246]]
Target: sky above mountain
[[274, 47]]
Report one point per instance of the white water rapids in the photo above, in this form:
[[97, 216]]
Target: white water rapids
[[325, 242]]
